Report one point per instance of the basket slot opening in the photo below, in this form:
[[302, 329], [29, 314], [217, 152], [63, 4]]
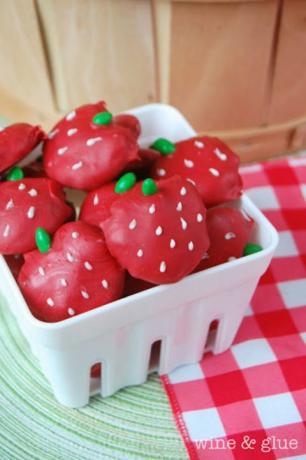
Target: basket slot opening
[[211, 336], [95, 377], [155, 356]]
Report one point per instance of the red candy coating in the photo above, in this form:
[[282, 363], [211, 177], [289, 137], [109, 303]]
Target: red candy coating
[[34, 169], [143, 164], [229, 231], [84, 155], [76, 275], [15, 262], [130, 122], [207, 163], [95, 372], [148, 156], [158, 238], [17, 141], [133, 286], [25, 205], [96, 206]]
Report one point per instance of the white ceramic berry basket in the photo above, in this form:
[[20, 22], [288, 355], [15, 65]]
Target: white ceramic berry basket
[[121, 334]]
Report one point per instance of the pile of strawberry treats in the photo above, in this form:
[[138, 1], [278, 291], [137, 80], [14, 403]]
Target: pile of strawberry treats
[[151, 216]]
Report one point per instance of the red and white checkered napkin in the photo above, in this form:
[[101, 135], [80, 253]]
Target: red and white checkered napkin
[[252, 398]]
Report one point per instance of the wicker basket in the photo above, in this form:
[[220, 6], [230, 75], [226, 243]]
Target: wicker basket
[[235, 68]]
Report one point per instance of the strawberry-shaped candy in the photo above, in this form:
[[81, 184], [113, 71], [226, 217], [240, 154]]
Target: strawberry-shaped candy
[[129, 122], [96, 206], [34, 169], [86, 149], [229, 231], [25, 205], [95, 371], [143, 165], [17, 141], [75, 275], [204, 161], [15, 262], [134, 285], [157, 231]]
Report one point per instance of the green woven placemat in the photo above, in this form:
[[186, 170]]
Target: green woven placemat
[[135, 423]]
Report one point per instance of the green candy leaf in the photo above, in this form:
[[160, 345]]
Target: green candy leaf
[[251, 248], [15, 173], [164, 146], [43, 240], [149, 187], [102, 118], [125, 183]]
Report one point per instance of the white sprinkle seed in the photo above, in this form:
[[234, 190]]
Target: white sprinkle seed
[[229, 235], [191, 181], [222, 156], [50, 302], [190, 246], [63, 282], [75, 235], [199, 217], [41, 271], [205, 256], [72, 131], [93, 141], [71, 115], [31, 212], [10, 204], [184, 223], [52, 134], [105, 284], [199, 144], [152, 209], [71, 311], [214, 172], [21, 187], [70, 257], [77, 165], [6, 231], [85, 294], [88, 265], [33, 192], [96, 200], [158, 231], [183, 191], [132, 224], [139, 253], [62, 150], [179, 206], [189, 163], [161, 172], [172, 243], [230, 259], [163, 267]]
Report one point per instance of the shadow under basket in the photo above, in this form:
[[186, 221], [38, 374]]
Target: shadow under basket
[[155, 330]]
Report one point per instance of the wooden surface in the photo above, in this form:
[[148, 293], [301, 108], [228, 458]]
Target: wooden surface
[[235, 68], [289, 88], [219, 79], [100, 50], [23, 68], [161, 17]]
